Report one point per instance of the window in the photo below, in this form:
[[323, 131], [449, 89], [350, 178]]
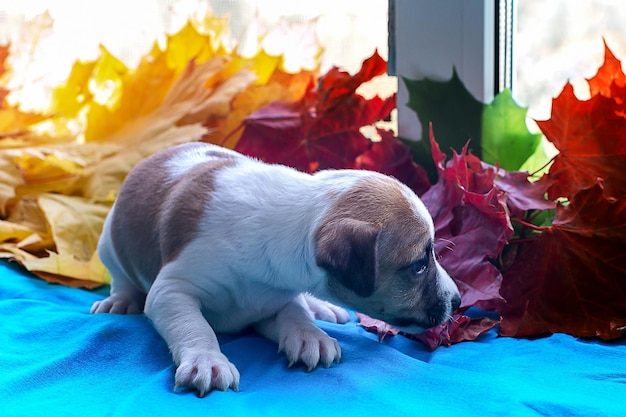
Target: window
[[348, 30], [561, 40]]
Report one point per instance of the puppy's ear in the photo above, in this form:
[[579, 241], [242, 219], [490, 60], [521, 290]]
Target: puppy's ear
[[346, 248]]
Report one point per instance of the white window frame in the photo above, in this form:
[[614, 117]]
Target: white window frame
[[431, 37]]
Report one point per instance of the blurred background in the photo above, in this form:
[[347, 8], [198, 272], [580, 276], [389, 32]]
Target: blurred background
[[553, 41]]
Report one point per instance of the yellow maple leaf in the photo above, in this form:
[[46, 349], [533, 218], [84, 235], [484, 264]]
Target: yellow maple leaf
[[10, 231], [56, 188], [66, 269], [70, 97], [75, 222]]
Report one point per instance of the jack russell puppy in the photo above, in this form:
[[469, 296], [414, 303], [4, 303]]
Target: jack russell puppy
[[204, 240]]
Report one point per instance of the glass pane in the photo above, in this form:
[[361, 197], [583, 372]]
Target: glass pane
[[348, 30], [561, 40]]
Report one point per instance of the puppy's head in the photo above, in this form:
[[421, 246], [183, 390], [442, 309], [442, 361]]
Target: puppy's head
[[376, 244]]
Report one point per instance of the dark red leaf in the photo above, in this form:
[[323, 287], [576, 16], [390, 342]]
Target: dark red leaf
[[322, 130], [377, 326], [522, 194], [572, 277], [472, 225], [336, 86], [460, 329], [392, 157]]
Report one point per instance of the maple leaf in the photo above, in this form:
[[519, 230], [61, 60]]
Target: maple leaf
[[225, 129], [391, 157], [459, 329], [591, 138], [322, 129], [472, 225], [455, 114], [505, 139], [497, 131], [571, 277], [381, 328], [609, 74], [523, 195], [568, 277]]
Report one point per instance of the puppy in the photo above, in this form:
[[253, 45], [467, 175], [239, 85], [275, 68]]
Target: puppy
[[204, 240]]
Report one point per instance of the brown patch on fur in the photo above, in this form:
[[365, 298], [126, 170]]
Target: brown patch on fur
[[187, 201], [391, 236], [155, 216]]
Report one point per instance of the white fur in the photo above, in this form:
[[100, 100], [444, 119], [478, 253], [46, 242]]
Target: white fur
[[251, 262]]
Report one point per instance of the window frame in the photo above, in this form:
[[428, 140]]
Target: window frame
[[466, 40]]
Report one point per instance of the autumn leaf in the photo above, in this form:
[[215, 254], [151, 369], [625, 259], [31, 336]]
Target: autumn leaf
[[523, 195], [571, 277], [322, 130], [381, 328], [56, 187], [391, 157], [591, 138], [177, 119], [10, 231], [224, 129], [459, 329], [472, 225], [608, 75], [67, 270]]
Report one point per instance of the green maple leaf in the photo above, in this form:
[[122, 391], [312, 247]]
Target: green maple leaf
[[497, 132], [455, 114], [505, 139]]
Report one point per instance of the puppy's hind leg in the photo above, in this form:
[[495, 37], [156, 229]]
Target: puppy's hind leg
[[125, 297], [292, 328]]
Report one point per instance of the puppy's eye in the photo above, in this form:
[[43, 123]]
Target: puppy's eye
[[420, 266]]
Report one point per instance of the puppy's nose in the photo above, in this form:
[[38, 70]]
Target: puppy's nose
[[456, 301]]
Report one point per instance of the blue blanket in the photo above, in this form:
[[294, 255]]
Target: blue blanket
[[58, 360]]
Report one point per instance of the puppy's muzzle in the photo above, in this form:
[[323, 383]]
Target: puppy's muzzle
[[439, 313]]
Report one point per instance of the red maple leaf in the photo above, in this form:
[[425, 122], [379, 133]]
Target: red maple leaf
[[459, 329], [610, 73], [571, 278], [391, 157], [379, 327], [521, 194], [472, 225], [322, 129], [591, 138]]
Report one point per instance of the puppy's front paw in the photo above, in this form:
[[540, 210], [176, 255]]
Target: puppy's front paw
[[323, 310], [311, 346], [205, 371]]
